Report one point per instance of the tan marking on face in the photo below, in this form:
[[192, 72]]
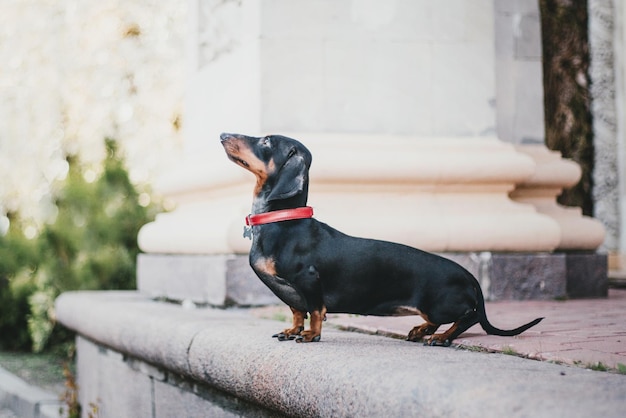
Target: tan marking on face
[[262, 175], [243, 155]]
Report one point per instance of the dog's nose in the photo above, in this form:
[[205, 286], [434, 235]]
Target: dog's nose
[[224, 136]]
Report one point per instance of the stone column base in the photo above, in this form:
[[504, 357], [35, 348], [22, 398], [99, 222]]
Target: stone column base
[[587, 275], [227, 280], [552, 175], [216, 280], [437, 194]]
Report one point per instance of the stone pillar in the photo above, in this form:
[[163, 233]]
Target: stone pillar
[[519, 110], [607, 37], [603, 108], [520, 121], [399, 103], [607, 40]]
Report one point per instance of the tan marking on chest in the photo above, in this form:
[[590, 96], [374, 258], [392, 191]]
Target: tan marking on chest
[[266, 265]]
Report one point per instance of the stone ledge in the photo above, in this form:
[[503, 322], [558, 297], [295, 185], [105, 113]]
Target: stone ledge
[[347, 374]]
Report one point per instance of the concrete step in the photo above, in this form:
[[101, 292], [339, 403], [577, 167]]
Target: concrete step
[[141, 355]]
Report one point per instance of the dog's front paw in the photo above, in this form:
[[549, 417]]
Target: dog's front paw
[[281, 336], [288, 334], [308, 337], [434, 342], [415, 335], [420, 331]]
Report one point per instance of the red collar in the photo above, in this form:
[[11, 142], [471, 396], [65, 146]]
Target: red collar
[[279, 216]]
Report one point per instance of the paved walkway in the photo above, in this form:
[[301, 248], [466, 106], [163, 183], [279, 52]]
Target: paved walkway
[[7, 413], [583, 331], [20, 399]]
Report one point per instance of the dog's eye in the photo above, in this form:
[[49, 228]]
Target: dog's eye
[[242, 162], [291, 153]]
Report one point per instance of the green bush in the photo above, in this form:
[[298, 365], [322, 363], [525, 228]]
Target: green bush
[[90, 245], [17, 255]]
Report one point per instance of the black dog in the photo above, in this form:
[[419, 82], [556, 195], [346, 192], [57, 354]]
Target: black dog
[[315, 269]]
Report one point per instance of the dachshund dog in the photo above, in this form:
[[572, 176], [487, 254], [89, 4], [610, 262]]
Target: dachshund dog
[[315, 269]]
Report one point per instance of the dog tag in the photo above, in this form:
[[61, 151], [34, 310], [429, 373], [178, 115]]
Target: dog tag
[[247, 232]]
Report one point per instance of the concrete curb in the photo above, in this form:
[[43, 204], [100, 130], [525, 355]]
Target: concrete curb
[[25, 400], [347, 374]]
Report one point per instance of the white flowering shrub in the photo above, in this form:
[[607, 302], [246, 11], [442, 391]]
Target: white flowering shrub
[[75, 72]]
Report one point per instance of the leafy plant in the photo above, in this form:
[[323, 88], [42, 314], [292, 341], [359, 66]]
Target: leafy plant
[[510, 351], [71, 407], [90, 245], [599, 367], [17, 256]]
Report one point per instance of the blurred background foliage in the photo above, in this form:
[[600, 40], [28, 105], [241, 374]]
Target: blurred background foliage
[[90, 244]]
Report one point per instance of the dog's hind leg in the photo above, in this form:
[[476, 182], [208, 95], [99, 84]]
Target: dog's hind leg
[[445, 338], [296, 328]]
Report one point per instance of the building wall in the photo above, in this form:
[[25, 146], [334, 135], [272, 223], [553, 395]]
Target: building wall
[[520, 109], [402, 67], [620, 80], [78, 72]]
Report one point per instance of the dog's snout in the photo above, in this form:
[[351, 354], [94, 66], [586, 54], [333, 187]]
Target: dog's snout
[[225, 136]]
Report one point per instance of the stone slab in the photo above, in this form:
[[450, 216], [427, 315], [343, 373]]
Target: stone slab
[[235, 354], [217, 280], [98, 364], [228, 280], [516, 276], [587, 275], [537, 276], [178, 402], [148, 390], [527, 277]]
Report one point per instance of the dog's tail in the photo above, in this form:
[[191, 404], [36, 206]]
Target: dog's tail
[[490, 329]]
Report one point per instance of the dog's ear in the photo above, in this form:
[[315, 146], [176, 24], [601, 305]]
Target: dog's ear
[[290, 180]]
